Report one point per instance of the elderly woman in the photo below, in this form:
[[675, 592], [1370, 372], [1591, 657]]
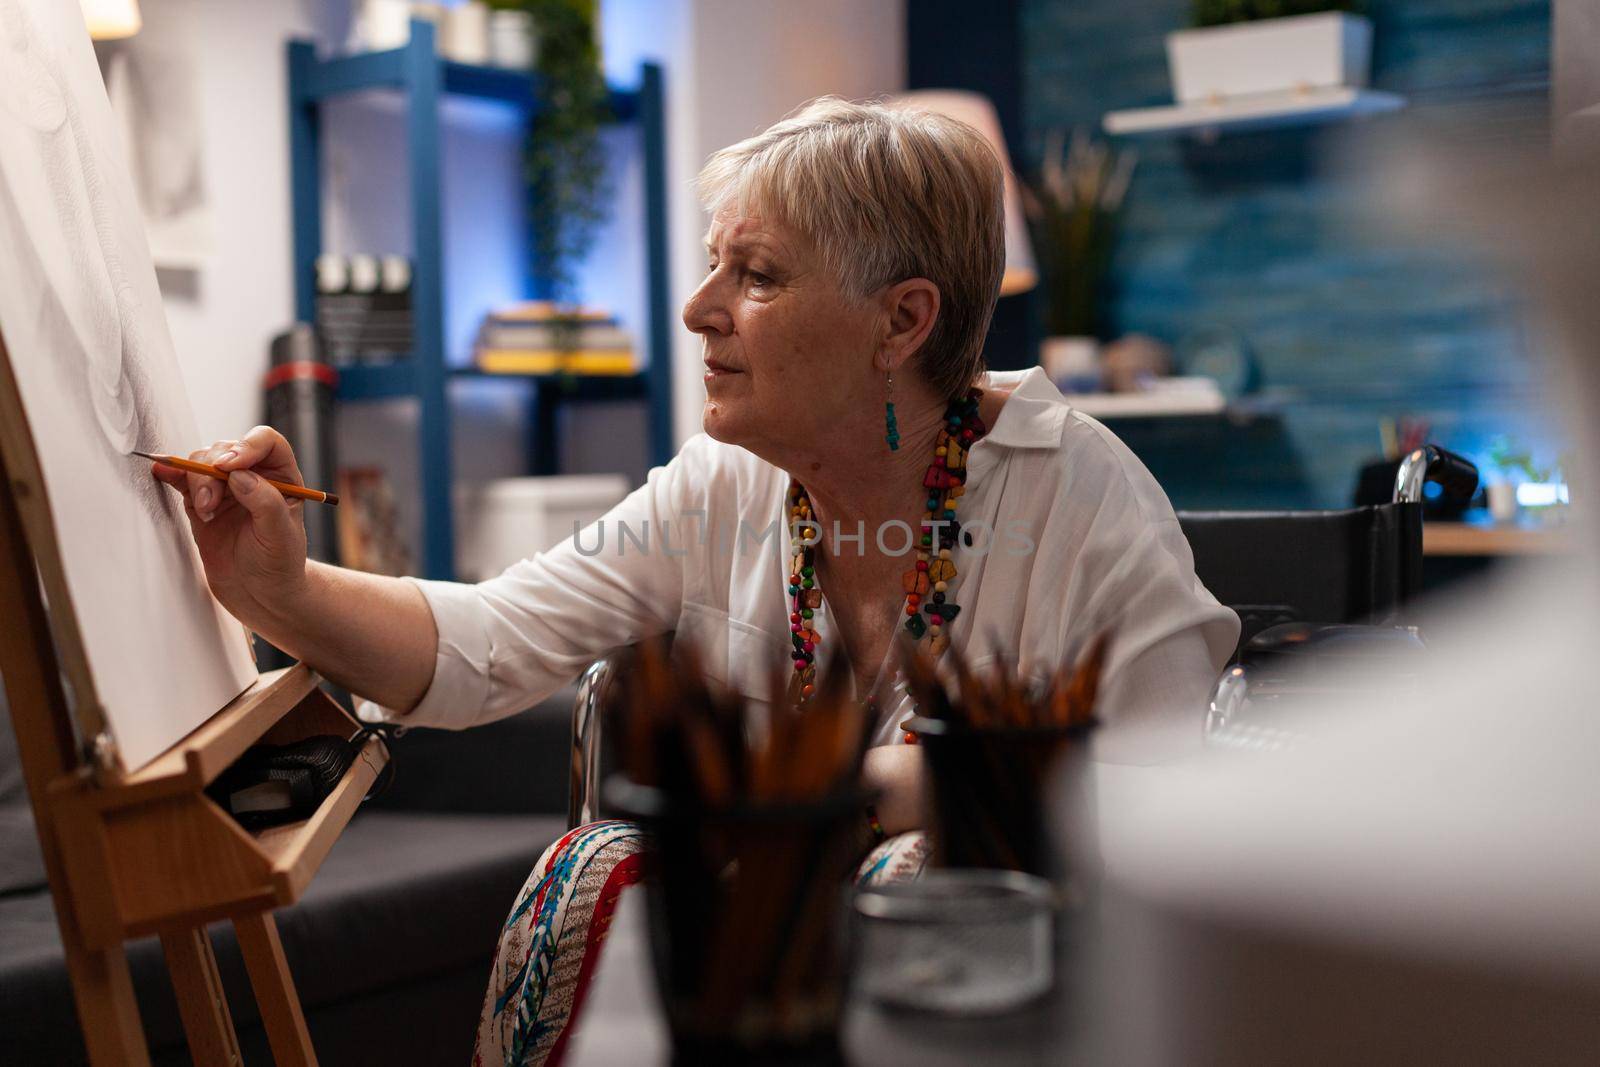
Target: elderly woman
[[852, 264]]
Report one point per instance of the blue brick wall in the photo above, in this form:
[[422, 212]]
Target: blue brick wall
[[1262, 234]]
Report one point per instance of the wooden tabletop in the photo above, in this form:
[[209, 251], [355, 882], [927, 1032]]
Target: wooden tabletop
[[1493, 539]]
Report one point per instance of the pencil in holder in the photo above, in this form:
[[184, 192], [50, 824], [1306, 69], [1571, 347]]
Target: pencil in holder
[[748, 923], [757, 819], [1005, 760], [992, 792]]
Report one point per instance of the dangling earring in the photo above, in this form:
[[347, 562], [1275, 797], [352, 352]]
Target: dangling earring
[[891, 431]]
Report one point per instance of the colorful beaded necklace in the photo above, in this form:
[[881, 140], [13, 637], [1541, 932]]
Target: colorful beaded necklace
[[925, 584]]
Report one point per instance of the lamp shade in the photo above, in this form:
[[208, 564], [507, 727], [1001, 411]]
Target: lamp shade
[[111, 20], [976, 111]]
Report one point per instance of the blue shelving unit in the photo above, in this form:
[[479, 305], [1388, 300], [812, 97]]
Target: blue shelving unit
[[417, 71]]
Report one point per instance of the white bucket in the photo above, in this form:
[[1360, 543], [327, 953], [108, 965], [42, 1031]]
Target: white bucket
[[501, 522]]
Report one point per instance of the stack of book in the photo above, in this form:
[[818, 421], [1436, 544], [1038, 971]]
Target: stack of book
[[526, 339]]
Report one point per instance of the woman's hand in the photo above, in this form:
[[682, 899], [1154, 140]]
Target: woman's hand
[[368, 633], [896, 772], [251, 537]]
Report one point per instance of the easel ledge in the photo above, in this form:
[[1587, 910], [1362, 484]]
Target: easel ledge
[[169, 854], [214, 745]]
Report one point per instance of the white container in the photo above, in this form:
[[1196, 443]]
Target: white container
[[1072, 363], [464, 33], [333, 273], [379, 25], [364, 273], [1502, 500], [1299, 52], [511, 40], [511, 519], [394, 274]]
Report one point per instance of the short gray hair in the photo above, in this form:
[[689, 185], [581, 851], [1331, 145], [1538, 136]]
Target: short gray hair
[[885, 194]]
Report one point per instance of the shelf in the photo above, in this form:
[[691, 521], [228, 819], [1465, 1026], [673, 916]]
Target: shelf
[[423, 82], [377, 381], [390, 381], [1161, 404], [387, 70], [571, 387], [1306, 107]]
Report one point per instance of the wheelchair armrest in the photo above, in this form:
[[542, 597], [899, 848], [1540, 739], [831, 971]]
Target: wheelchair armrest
[[588, 715], [1456, 475], [1287, 671], [583, 780], [1326, 644]]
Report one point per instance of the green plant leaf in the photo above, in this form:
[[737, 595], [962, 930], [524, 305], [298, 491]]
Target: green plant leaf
[[1223, 12], [564, 163], [1074, 207]]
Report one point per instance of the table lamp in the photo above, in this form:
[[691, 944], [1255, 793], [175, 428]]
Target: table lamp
[[977, 111]]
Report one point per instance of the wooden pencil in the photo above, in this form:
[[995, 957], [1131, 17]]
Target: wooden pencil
[[299, 492]]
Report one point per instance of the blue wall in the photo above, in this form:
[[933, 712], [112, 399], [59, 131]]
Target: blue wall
[[947, 48], [1258, 234]]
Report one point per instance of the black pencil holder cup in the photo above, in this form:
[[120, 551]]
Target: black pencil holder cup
[[999, 798], [748, 923]]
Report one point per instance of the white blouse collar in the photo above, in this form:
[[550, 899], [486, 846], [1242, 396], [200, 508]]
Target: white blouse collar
[[1033, 416]]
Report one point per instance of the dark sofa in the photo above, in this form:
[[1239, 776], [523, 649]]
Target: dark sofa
[[392, 944]]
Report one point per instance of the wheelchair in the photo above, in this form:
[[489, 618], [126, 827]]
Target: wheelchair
[[1321, 598]]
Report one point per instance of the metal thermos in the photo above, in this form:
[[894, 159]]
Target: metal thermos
[[299, 389]]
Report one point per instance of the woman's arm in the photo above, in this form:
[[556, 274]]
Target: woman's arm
[[1153, 705], [371, 634], [437, 653]]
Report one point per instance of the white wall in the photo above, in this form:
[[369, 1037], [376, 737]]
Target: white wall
[[731, 68], [223, 315], [735, 67]]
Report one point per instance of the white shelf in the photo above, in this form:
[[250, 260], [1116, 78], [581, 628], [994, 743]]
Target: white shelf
[[1155, 404], [1301, 107]]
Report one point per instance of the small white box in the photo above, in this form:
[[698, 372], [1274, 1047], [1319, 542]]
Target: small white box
[[501, 522], [1326, 50]]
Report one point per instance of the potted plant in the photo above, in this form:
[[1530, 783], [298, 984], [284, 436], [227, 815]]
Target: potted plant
[[563, 160], [1074, 207], [1514, 465], [1246, 47]]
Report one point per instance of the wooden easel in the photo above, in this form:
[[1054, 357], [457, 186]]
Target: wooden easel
[[148, 852]]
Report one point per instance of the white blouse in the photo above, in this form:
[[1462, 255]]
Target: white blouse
[[1071, 536]]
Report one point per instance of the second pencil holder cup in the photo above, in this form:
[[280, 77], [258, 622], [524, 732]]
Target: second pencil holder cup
[[747, 916], [990, 793]]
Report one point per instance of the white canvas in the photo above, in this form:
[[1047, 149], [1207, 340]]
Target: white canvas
[[82, 320]]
